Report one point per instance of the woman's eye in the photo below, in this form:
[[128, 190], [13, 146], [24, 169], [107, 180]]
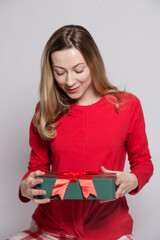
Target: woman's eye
[[59, 73], [79, 71]]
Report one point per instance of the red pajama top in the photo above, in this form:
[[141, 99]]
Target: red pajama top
[[89, 137]]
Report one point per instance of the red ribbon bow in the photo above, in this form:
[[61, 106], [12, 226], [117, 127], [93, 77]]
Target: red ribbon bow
[[85, 182]]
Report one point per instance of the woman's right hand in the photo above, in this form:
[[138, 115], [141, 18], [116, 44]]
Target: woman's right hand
[[28, 190]]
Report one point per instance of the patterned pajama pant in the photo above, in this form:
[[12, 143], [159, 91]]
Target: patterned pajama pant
[[34, 233]]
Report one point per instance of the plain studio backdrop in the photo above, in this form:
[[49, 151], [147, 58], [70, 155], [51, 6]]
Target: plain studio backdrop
[[128, 36]]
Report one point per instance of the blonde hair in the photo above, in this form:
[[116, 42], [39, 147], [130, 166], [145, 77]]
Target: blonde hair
[[53, 101]]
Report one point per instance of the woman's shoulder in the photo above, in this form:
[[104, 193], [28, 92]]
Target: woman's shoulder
[[125, 100], [122, 97], [127, 96], [130, 102]]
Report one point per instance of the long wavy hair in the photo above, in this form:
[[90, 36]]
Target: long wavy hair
[[53, 101]]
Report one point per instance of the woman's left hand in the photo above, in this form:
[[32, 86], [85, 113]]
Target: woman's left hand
[[125, 181]]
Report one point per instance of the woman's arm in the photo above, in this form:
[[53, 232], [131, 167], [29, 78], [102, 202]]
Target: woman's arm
[[40, 161], [137, 146], [138, 154]]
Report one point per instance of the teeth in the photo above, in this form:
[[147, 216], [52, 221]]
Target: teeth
[[72, 88]]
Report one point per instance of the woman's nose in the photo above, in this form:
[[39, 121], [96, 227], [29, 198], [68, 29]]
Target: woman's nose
[[70, 80]]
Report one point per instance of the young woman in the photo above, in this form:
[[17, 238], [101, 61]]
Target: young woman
[[83, 123]]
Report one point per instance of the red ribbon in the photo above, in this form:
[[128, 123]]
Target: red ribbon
[[85, 182]]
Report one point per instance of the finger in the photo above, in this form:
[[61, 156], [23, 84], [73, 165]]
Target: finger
[[33, 182], [36, 174], [118, 180], [106, 201], [32, 193], [36, 192], [106, 170], [41, 201], [120, 191], [117, 195]]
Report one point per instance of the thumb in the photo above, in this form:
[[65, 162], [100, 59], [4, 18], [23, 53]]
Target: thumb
[[106, 170], [37, 174]]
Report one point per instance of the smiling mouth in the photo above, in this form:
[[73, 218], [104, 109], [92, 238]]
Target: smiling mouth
[[72, 90]]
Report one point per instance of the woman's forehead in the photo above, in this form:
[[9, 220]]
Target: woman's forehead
[[67, 57]]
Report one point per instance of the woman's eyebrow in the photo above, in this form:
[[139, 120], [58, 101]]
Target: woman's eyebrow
[[72, 67]]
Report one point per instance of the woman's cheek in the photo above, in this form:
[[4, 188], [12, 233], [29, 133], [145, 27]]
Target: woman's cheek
[[84, 77]]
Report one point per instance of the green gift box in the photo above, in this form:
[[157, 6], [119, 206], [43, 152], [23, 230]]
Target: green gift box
[[89, 186]]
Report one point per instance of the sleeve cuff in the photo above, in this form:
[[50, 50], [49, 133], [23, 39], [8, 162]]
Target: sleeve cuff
[[22, 198], [137, 189]]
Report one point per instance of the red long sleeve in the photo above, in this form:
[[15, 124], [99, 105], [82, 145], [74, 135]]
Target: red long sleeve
[[40, 156], [89, 137], [137, 147]]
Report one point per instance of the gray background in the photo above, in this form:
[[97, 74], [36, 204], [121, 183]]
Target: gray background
[[128, 36]]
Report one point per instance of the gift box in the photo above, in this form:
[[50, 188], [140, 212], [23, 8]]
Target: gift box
[[78, 186]]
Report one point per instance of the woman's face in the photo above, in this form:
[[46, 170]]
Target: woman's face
[[73, 75]]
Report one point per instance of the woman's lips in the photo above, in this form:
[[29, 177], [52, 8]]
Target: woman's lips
[[72, 90]]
